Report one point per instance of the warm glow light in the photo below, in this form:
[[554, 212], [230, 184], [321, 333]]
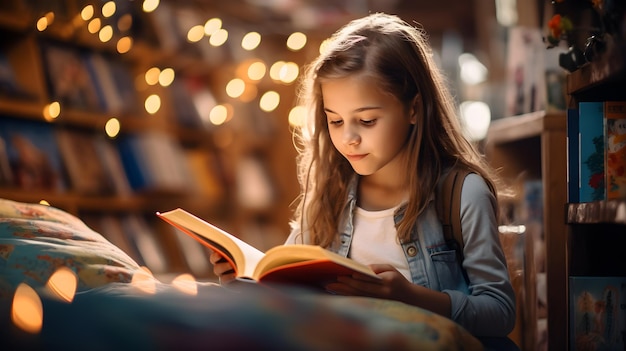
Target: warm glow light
[[186, 283], [27, 309], [275, 70], [475, 118], [87, 13], [219, 37], [166, 77], [112, 127], [44, 202], [235, 87], [256, 71], [289, 72], [153, 104], [296, 41], [195, 34], [94, 26], [218, 115], [152, 75], [144, 280], [150, 5], [124, 45], [106, 33], [251, 41], [62, 284], [45, 21], [125, 22], [472, 71], [52, 111], [297, 116], [269, 101], [512, 229], [212, 25], [109, 9]]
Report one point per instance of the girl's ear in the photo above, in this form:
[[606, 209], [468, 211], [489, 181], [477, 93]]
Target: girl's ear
[[415, 107]]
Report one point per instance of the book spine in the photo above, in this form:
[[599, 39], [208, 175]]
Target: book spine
[[591, 136], [572, 156], [597, 315], [615, 141]]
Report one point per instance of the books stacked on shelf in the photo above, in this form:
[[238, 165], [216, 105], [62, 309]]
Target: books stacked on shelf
[[153, 161], [16, 54], [597, 156], [591, 138], [597, 313], [131, 234], [33, 155], [113, 82], [573, 176], [89, 80], [69, 79], [145, 242], [86, 171], [615, 166], [9, 86], [112, 162]]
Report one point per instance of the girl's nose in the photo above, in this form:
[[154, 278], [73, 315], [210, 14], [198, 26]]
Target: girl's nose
[[351, 136]]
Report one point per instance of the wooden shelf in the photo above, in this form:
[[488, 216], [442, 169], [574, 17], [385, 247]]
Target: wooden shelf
[[612, 211], [608, 69], [524, 126]]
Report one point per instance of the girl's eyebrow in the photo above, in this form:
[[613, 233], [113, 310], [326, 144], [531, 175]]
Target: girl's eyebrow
[[360, 109]]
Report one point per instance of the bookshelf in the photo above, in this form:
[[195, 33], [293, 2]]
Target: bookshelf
[[531, 147], [593, 243], [208, 188]]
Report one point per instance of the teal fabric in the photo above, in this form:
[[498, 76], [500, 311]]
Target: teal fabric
[[35, 240], [122, 317]]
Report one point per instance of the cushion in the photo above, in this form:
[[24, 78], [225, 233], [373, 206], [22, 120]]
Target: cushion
[[35, 240]]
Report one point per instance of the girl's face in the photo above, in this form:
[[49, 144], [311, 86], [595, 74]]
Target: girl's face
[[369, 128]]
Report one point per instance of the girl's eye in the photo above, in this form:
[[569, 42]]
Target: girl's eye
[[336, 123], [370, 122]]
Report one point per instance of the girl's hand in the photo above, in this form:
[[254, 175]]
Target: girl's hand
[[222, 268], [392, 285]]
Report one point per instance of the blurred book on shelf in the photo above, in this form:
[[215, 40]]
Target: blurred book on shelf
[[69, 78], [86, 172], [33, 154], [615, 146], [153, 161]]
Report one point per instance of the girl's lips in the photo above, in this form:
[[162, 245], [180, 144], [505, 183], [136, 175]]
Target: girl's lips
[[355, 157]]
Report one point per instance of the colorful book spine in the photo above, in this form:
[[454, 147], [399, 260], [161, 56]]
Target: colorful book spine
[[572, 156], [591, 151], [597, 313], [615, 166]]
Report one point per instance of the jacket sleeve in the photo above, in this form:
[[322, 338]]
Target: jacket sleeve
[[489, 309]]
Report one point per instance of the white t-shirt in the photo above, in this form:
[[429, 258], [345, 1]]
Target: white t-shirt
[[375, 240]]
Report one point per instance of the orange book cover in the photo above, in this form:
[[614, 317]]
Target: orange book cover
[[615, 124], [309, 265]]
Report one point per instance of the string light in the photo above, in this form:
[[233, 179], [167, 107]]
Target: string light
[[251, 41], [150, 5]]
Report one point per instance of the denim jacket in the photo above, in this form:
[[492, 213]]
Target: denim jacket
[[484, 303]]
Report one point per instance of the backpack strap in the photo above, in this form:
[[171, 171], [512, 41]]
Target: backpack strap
[[448, 205]]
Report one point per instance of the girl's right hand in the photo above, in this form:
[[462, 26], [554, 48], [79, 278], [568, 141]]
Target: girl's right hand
[[222, 268]]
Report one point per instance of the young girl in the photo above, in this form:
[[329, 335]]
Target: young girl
[[381, 132]]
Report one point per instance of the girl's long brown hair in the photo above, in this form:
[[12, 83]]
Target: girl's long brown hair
[[398, 56]]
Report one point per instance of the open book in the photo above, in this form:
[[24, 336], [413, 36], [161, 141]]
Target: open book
[[293, 264]]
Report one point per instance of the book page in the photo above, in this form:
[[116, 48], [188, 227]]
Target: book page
[[242, 255], [289, 254]]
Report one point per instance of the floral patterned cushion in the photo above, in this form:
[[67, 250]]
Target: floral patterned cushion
[[35, 240]]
